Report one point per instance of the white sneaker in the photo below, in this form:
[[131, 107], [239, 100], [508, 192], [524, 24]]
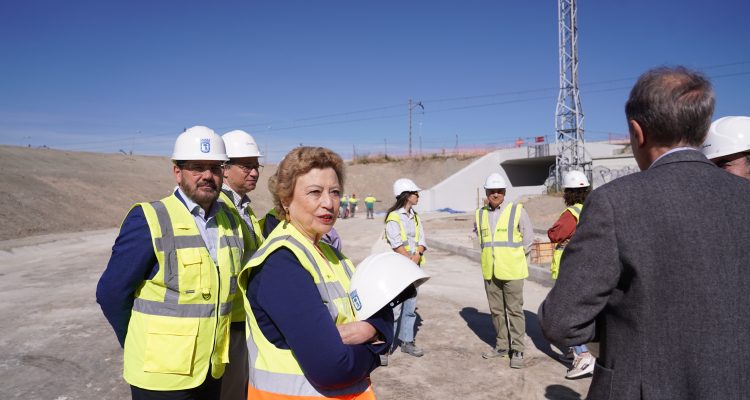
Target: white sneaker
[[568, 357], [582, 366]]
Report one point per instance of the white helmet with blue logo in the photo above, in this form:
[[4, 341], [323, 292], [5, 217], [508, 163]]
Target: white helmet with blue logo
[[379, 279], [199, 143]]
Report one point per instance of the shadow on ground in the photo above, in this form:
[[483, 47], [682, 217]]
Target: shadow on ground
[[560, 392], [534, 332], [480, 323]]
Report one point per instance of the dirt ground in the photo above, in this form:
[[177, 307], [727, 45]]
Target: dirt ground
[[59, 224], [57, 345]]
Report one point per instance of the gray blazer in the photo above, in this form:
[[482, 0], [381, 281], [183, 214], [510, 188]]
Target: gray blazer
[[658, 272]]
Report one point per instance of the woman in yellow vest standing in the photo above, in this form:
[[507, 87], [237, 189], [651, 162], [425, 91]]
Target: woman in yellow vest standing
[[405, 234], [576, 187], [303, 339]]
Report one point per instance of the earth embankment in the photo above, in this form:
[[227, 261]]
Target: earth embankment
[[53, 191]]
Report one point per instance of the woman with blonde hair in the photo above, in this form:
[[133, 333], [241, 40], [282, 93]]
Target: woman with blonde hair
[[303, 338]]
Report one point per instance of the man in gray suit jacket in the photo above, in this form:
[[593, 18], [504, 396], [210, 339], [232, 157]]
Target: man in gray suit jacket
[[658, 268]]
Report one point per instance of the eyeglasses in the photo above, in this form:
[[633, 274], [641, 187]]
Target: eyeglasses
[[197, 169], [414, 193], [246, 168], [493, 191]]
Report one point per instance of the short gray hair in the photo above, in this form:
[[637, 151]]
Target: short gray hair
[[672, 105]]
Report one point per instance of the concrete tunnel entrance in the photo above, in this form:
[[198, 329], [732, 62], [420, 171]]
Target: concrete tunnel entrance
[[528, 171]]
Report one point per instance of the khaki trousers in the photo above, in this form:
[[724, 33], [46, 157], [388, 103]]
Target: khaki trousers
[[506, 307]]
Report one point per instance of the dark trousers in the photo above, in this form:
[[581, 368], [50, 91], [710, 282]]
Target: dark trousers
[[208, 390]]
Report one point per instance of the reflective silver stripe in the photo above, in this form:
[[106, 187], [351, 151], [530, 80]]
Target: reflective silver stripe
[[175, 310], [232, 284], [348, 269], [578, 209], [231, 241], [225, 308], [502, 244], [169, 247], [298, 385], [479, 225], [511, 224], [180, 242], [324, 288]]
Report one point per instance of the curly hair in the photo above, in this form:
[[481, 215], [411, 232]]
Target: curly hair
[[296, 163], [575, 195]]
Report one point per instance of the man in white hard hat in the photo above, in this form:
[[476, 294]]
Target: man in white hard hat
[[241, 174], [728, 145], [505, 235], [657, 268], [169, 284]]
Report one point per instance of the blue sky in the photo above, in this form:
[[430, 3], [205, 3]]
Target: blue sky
[[108, 75]]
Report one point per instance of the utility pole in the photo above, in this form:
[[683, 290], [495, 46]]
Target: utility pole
[[571, 152], [385, 142], [411, 107]]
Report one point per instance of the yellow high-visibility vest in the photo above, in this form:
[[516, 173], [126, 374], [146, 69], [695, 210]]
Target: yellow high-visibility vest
[[370, 200], [503, 254], [179, 326], [395, 216], [238, 309], [575, 209], [275, 373]]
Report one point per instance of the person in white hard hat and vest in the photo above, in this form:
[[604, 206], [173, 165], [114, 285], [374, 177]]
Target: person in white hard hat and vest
[[304, 340], [405, 234], [505, 236], [728, 145], [170, 282], [575, 189], [241, 174]]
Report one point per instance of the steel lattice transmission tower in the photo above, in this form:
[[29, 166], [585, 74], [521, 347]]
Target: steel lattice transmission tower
[[571, 152]]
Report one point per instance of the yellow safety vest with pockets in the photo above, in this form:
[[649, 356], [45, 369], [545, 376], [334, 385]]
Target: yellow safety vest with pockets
[[503, 254], [238, 308], [575, 209], [275, 373], [179, 326], [395, 216]]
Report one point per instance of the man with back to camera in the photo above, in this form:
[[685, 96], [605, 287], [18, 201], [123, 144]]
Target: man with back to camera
[[241, 174], [728, 145], [657, 269], [169, 285]]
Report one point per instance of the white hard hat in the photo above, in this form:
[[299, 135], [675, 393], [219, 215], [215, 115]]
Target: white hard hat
[[240, 144], [379, 279], [728, 135], [404, 185], [495, 181], [199, 143], [575, 179]]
